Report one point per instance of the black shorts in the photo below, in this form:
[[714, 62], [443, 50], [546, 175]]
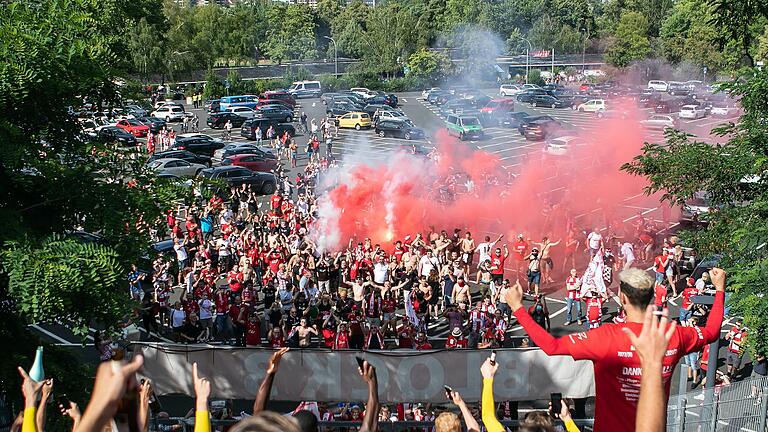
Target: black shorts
[[497, 278]]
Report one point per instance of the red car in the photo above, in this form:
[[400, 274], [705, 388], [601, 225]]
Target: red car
[[278, 95], [499, 106], [251, 161], [133, 127]]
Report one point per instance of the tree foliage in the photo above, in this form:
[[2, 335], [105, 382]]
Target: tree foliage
[[630, 41], [429, 66], [733, 176]]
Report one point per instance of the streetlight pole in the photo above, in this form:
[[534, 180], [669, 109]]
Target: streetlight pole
[[527, 58], [335, 57]]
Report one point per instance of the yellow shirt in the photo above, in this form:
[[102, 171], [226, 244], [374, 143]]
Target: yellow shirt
[[202, 421], [489, 408], [29, 424]]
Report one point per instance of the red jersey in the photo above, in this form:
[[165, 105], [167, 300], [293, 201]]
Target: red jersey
[[617, 367], [737, 337], [398, 254], [253, 332], [594, 309], [276, 201], [423, 346], [221, 299], [329, 337], [276, 342], [453, 342], [497, 264], [388, 305], [274, 260], [572, 287], [660, 263], [235, 280], [687, 294], [404, 339], [661, 295], [342, 341], [520, 247]]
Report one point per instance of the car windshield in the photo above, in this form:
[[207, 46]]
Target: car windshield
[[470, 121], [134, 122], [492, 104]]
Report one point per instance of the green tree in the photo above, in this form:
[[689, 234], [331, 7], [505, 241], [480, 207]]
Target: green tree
[[291, 32], [146, 44], [349, 28], [548, 33], [630, 41], [740, 21], [429, 66], [390, 38], [733, 176]]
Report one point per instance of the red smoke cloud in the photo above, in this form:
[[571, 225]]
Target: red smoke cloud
[[388, 201]]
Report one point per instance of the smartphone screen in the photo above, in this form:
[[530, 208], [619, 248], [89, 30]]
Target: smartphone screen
[[63, 400], [360, 362], [556, 403], [448, 391], [493, 357]]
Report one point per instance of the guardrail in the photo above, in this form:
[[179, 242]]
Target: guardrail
[[188, 424], [740, 406]]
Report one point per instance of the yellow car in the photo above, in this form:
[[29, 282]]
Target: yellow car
[[357, 120]]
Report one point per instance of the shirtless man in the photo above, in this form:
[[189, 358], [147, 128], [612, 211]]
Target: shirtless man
[[467, 248], [460, 295], [546, 261], [358, 290], [305, 333]]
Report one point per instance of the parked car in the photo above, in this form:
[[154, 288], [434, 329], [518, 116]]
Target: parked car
[[692, 112], [561, 145], [438, 97], [649, 100], [264, 183], [300, 89], [694, 208], [278, 95], [464, 127], [507, 90], [659, 122], [512, 119], [176, 167], [593, 105], [212, 105], [388, 115], [371, 109], [133, 127], [722, 110], [528, 95], [455, 106], [523, 123], [200, 144], [248, 128], [356, 120], [241, 111], [659, 86], [398, 129], [170, 113], [496, 109], [327, 97], [274, 112], [337, 109], [254, 162], [233, 149], [219, 120], [550, 101], [183, 155], [153, 123], [363, 92], [425, 93], [667, 106], [113, 134], [541, 129], [678, 88], [135, 110], [386, 99]]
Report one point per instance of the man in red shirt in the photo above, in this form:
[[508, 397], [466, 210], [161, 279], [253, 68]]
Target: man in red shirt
[[456, 339], [686, 308], [497, 268], [660, 296], [617, 367], [520, 248]]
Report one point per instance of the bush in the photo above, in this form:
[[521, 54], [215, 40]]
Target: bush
[[534, 77]]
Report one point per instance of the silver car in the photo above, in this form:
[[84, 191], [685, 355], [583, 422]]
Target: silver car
[[659, 122], [175, 167]]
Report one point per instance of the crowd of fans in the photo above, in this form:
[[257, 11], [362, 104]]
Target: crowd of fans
[[120, 401]]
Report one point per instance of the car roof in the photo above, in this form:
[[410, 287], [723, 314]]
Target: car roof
[[165, 160]]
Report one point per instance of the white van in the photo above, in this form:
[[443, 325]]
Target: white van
[[301, 89], [659, 86]]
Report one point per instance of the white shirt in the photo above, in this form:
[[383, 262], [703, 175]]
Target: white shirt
[[380, 271], [177, 317], [628, 251], [594, 240], [426, 264], [205, 309], [485, 250], [181, 253]]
